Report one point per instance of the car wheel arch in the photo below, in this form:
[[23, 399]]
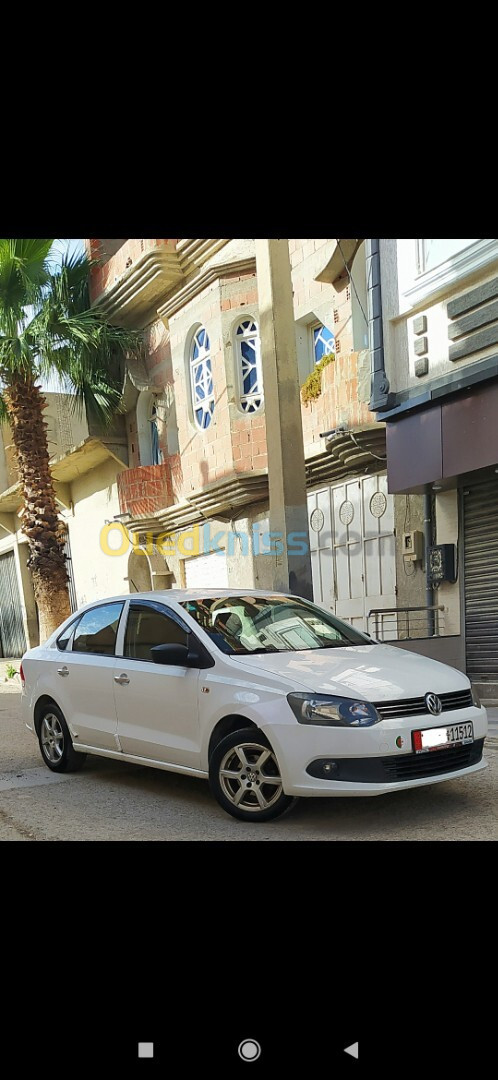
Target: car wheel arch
[[42, 702], [225, 726]]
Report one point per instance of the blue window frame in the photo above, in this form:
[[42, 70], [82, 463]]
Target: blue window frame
[[249, 366], [201, 379], [323, 342]]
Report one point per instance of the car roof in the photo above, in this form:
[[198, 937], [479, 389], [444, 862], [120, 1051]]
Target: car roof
[[179, 596]]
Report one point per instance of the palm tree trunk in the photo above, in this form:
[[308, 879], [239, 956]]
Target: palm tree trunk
[[40, 520]]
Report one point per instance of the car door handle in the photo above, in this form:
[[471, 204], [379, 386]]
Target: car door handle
[[121, 679], [63, 671]]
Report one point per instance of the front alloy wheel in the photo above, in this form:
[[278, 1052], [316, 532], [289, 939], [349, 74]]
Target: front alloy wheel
[[245, 777]]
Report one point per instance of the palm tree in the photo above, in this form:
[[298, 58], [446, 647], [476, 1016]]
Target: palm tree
[[47, 327]]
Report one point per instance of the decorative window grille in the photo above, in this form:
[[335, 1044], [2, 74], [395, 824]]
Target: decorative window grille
[[248, 358], [201, 379]]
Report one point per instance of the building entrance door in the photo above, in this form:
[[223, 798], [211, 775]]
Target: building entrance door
[[352, 547]]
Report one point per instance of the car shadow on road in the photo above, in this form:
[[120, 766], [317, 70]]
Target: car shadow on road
[[436, 812]]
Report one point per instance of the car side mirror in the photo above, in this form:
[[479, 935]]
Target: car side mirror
[[193, 655], [178, 655]]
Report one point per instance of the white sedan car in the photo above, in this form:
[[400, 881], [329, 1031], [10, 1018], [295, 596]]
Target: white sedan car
[[267, 695]]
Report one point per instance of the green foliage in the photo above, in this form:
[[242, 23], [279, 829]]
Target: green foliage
[[11, 671], [312, 386], [65, 335]]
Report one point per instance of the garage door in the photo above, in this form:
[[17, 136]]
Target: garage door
[[206, 572]]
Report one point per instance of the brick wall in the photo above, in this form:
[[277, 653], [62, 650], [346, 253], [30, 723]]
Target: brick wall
[[144, 490], [338, 403], [330, 304], [233, 441], [202, 453], [316, 301], [239, 300]]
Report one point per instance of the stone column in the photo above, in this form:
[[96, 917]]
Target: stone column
[[284, 431]]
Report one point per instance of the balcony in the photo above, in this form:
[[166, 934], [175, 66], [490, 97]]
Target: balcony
[[145, 490]]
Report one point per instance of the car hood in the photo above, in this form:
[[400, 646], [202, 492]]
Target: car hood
[[374, 672]]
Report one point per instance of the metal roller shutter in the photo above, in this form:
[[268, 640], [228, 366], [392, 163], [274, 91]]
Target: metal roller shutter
[[481, 581]]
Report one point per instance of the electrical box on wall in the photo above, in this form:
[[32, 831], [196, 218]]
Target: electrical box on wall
[[413, 546], [441, 563]]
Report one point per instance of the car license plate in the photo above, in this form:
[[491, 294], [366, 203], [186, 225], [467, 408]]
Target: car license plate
[[440, 738]]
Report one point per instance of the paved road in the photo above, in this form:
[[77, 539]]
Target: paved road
[[110, 801]]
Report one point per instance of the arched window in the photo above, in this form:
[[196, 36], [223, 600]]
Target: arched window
[[157, 456], [148, 435], [201, 379], [323, 342], [248, 359]]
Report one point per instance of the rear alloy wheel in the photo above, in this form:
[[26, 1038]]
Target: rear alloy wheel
[[56, 744], [245, 778]]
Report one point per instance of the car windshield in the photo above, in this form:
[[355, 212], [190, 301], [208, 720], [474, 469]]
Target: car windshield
[[263, 624]]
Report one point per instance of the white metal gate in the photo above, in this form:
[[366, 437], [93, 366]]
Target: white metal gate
[[12, 636], [353, 547]]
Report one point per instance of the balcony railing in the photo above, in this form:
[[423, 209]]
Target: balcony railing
[[406, 623]]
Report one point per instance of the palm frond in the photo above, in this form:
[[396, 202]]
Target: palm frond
[[97, 397], [65, 337], [24, 271], [68, 287], [16, 355]]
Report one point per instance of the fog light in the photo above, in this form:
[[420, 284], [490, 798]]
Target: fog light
[[324, 769]]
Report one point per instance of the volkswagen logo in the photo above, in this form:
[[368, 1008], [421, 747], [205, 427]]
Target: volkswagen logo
[[433, 703]]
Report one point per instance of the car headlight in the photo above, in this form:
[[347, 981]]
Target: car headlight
[[475, 697], [322, 709]]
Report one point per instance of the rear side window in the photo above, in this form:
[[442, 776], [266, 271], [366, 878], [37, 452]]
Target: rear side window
[[148, 627], [97, 630]]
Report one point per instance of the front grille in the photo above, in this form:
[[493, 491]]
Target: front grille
[[395, 710], [434, 762], [384, 770]]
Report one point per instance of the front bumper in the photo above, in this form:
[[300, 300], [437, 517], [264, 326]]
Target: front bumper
[[367, 761]]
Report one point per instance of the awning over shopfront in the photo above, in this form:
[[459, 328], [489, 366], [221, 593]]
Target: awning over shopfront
[[443, 441]]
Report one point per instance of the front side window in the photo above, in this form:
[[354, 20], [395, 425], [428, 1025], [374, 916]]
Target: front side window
[[248, 358], [63, 640], [255, 624], [148, 627], [201, 379], [323, 342], [97, 630]]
